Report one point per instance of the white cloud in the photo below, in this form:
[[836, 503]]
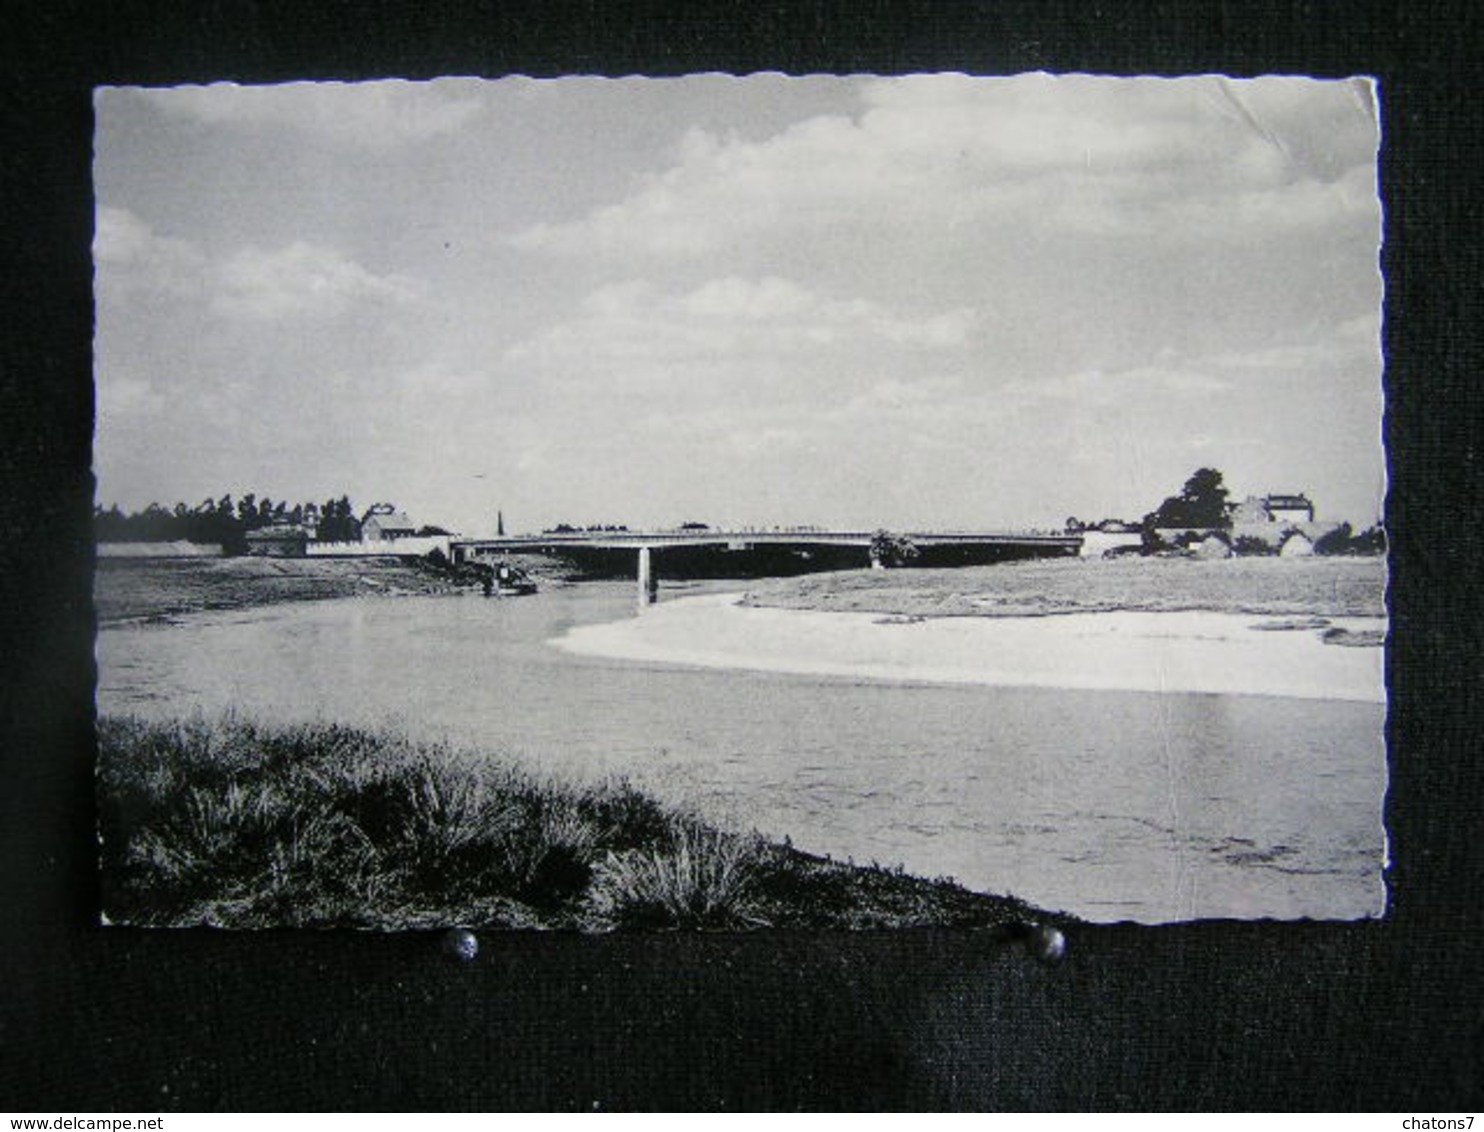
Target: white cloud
[[760, 442], [895, 394], [752, 301], [1187, 157], [375, 115], [122, 396], [1355, 343], [1275, 210], [130, 258], [432, 379], [119, 236], [1091, 388], [299, 281], [633, 329]]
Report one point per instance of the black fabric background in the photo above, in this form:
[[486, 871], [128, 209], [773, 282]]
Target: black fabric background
[[1384, 1015]]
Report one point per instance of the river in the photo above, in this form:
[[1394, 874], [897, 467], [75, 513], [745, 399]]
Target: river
[[1112, 805]]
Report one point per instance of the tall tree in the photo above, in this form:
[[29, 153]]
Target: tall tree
[[1201, 503]]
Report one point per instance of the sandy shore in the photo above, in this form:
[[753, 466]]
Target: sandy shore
[[1127, 651]]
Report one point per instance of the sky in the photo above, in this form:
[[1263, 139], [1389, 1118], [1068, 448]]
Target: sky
[[917, 303]]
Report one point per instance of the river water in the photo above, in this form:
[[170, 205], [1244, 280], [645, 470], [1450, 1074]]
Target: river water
[[1111, 805]]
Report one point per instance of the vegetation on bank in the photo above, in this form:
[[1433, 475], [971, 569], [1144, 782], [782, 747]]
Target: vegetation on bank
[[1203, 509], [134, 589], [225, 522], [1277, 587], [231, 823]]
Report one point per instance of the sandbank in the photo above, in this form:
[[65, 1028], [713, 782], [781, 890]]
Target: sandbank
[[1191, 651]]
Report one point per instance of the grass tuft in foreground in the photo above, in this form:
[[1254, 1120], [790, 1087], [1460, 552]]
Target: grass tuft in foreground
[[701, 879], [231, 823]]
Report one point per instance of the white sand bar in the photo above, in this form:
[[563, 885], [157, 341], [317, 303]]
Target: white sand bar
[[1140, 652]]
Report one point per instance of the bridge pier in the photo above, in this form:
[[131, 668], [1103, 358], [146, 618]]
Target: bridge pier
[[649, 582]]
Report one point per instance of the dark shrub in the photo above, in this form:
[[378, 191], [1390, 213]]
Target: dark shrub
[[1251, 545], [1337, 541]]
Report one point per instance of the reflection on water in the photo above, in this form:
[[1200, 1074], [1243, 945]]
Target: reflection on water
[[1112, 805]]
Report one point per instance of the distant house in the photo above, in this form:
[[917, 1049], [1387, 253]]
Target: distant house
[[1250, 511], [1099, 542], [278, 540], [1296, 544], [1273, 509], [1277, 524], [383, 523], [1289, 508]]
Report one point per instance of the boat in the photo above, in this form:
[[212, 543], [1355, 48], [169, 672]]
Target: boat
[[508, 581]]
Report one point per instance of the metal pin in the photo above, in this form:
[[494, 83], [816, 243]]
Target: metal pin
[[1040, 941], [460, 944]]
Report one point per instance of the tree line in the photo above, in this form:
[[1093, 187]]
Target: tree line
[[225, 521], [1204, 504], [1203, 507]]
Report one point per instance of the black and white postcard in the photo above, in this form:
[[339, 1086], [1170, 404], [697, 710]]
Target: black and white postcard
[[735, 503]]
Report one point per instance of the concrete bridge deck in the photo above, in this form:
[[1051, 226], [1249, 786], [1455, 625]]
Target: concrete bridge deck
[[645, 543], [635, 540]]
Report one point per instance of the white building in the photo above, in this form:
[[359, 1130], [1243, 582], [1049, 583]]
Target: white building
[[1290, 508], [383, 524]]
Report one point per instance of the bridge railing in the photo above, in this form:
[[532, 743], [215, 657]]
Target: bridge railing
[[633, 539]]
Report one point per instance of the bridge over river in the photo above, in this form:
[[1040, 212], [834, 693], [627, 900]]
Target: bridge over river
[[801, 549]]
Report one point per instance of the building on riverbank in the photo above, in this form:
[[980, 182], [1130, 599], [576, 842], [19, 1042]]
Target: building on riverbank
[[411, 547], [1273, 508], [1280, 524], [1290, 508], [1270, 524], [278, 540], [384, 523]]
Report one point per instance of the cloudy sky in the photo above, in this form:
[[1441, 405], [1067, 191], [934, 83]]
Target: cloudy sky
[[923, 302]]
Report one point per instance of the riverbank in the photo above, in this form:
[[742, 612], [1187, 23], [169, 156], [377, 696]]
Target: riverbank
[[136, 589], [1192, 651], [1270, 587], [1239, 627], [230, 823], [141, 589]]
